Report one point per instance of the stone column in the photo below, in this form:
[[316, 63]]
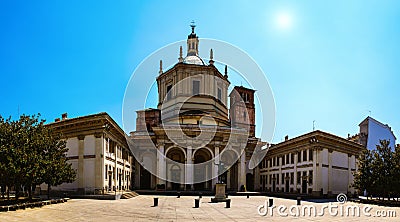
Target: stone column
[[295, 171], [242, 170], [315, 184], [137, 174], [280, 161], [189, 167], [228, 178], [268, 184], [349, 173], [99, 165], [115, 167], [217, 162], [161, 169], [81, 163], [330, 179], [319, 177]]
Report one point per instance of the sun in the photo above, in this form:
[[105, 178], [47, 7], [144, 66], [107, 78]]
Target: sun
[[284, 20]]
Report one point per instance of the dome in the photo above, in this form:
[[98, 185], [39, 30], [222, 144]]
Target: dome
[[193, 59]]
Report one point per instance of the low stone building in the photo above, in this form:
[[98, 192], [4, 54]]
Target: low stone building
[[99, 153], [316, 163]]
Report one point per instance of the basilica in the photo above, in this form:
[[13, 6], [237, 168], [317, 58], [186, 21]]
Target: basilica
[[201, 133], [192, 140]]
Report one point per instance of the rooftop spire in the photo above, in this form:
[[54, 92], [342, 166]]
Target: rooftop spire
[[211, 57], [193, 42], [161, 71], [193, 25], [180, 54]]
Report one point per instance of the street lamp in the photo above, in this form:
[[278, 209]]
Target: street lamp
[[221, 169]]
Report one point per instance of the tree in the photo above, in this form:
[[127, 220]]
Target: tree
[[57, 169], [31, 154], [382, 166], [396, 172], [8, 153], [363, 177], [379, 170]]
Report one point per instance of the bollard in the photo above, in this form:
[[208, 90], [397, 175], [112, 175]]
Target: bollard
[[200, 195], [155, 201], [270, 202], [12, 208], [196, 203], [298, 200], [247, 196], [179, 195], [228, 203]]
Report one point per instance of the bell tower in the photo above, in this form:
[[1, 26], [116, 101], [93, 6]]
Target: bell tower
[[192, 42], [242, 109]]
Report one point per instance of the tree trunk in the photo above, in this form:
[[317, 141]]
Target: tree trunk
[[30, 192], [17, 188], [48, 191]]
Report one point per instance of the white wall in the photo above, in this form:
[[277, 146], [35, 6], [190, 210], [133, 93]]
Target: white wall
[[340, 181], [89, 168], [340, 159], [72, 145], [378, 132], [89, 145]]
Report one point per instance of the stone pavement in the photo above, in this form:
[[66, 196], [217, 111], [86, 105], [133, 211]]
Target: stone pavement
[[181, 209]]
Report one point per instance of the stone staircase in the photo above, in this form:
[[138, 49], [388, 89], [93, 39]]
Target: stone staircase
[[129, 195]]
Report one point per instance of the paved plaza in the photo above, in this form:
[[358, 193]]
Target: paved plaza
[[182, 209]]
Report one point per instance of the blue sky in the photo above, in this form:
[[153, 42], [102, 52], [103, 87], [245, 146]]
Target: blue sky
[[328, 61]]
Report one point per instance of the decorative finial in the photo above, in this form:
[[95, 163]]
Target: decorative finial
[[226, 71], [161, 71], [180, 54], [211, 57], [193, 25]]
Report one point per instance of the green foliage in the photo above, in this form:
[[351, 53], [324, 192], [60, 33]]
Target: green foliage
[[31, 154], [379, 171]]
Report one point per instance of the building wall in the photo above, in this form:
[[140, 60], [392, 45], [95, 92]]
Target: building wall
[[326, 166], [92, 171], [378, 132]]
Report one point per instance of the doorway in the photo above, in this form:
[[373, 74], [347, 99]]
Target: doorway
[[304, 186], [287, 186], [145, 178], [249, 182], [202, 169], [109, 181]]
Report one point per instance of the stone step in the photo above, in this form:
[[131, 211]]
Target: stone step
[[129, 195]]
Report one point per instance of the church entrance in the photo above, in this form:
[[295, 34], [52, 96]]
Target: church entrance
[[176, 176], [202, 171], [228, 162], [145, 178], [175, 168]]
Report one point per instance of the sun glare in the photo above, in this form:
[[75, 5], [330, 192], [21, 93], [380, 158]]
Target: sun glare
[[284, 20]]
